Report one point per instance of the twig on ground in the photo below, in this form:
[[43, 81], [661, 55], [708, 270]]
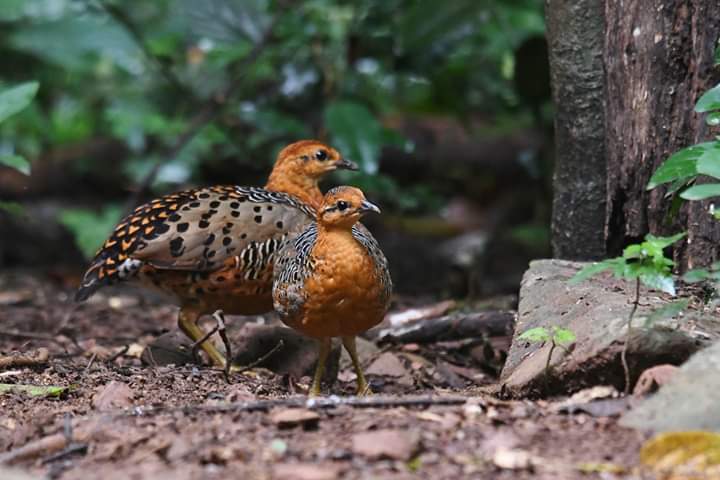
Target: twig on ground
[[260, 360], [92, 360], [118, 354], [220, 319], [38, 357], [456, 326]]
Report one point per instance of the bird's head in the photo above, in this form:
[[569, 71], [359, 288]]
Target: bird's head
[[301, 165], [311, 158], [343, 207]]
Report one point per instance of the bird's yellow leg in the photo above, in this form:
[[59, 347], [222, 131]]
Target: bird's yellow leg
[[187, 321], [363, 388], [323, 352]]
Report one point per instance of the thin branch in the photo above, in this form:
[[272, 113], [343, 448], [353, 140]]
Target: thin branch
[[260, 360], [623, 354]]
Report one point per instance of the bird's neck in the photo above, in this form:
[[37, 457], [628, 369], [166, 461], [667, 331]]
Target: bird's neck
[[302, 187]]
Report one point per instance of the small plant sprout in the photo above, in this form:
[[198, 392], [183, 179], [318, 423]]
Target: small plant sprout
[[558, 337], [644, 263]]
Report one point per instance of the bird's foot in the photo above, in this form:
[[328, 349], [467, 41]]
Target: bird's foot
[[364, 390]]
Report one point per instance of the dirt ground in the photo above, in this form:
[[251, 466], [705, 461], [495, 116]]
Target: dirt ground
[[121, 419]]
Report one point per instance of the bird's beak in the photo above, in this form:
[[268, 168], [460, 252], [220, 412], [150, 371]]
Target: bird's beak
[[345, 164], [366, 206]]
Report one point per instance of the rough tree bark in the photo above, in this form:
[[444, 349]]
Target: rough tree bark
[[657, 59], [575, 31]]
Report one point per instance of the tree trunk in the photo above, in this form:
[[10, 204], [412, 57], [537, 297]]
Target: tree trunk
[[575, 39], [657, 59]]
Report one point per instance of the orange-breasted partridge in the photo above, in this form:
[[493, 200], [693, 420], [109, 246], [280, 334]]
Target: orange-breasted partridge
[[213, 248], [332, 280]]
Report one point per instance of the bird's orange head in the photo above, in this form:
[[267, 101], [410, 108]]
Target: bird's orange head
[[342, 207], [301, 165]]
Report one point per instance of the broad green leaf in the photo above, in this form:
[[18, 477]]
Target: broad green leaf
[[90, 228], [33, 390], [659, 281], [356, 132], [16, 98], [563, 336], [12, 208], [709, 161], [667, 311], [662, 242], [696, 275], [701, 192], [17, 162], [534, 335], [680, 165], [634, 251], [709, 101], [592, 270]]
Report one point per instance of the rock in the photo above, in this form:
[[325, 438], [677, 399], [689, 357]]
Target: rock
[[689, 401], [171, 348], [113, 395], [389, 365], [512, 459], [596, 311], [386, 444], [297, 357], [366, 351], [653, 378], [293, 417], [7, 473], [306, 471]]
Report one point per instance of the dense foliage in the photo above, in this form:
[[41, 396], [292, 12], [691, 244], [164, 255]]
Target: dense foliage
[[184, 86]]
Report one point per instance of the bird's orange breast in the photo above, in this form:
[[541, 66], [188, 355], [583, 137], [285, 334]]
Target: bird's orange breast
[[343, 293]]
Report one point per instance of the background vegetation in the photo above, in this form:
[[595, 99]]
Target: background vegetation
[[139, 98]]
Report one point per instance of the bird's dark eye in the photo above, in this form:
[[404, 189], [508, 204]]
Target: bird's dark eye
[[342, 205], [321, 155]]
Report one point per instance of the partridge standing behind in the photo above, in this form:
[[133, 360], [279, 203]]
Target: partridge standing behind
[[214, 248], [333, 280]]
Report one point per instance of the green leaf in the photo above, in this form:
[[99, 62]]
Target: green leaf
[[90, 228], [563, 336], [701, 192], [659, 281], [680, 165], [13, 208], [356, 132], [33, 390], [535, 335], [713, 119], [593, 269], [709, 161], [662, 242], [667, 311], [15, 99], [709, 101], [17, 162]]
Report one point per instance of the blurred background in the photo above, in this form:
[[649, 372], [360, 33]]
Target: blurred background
[[445, 105]]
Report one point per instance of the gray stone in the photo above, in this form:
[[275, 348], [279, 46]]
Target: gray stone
[[596, 310], [297, 357], [689, 401]]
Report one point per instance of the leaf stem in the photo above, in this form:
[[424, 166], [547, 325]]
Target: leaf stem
[[623, 355]]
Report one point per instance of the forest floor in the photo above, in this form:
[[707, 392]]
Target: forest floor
[[120, 419]]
